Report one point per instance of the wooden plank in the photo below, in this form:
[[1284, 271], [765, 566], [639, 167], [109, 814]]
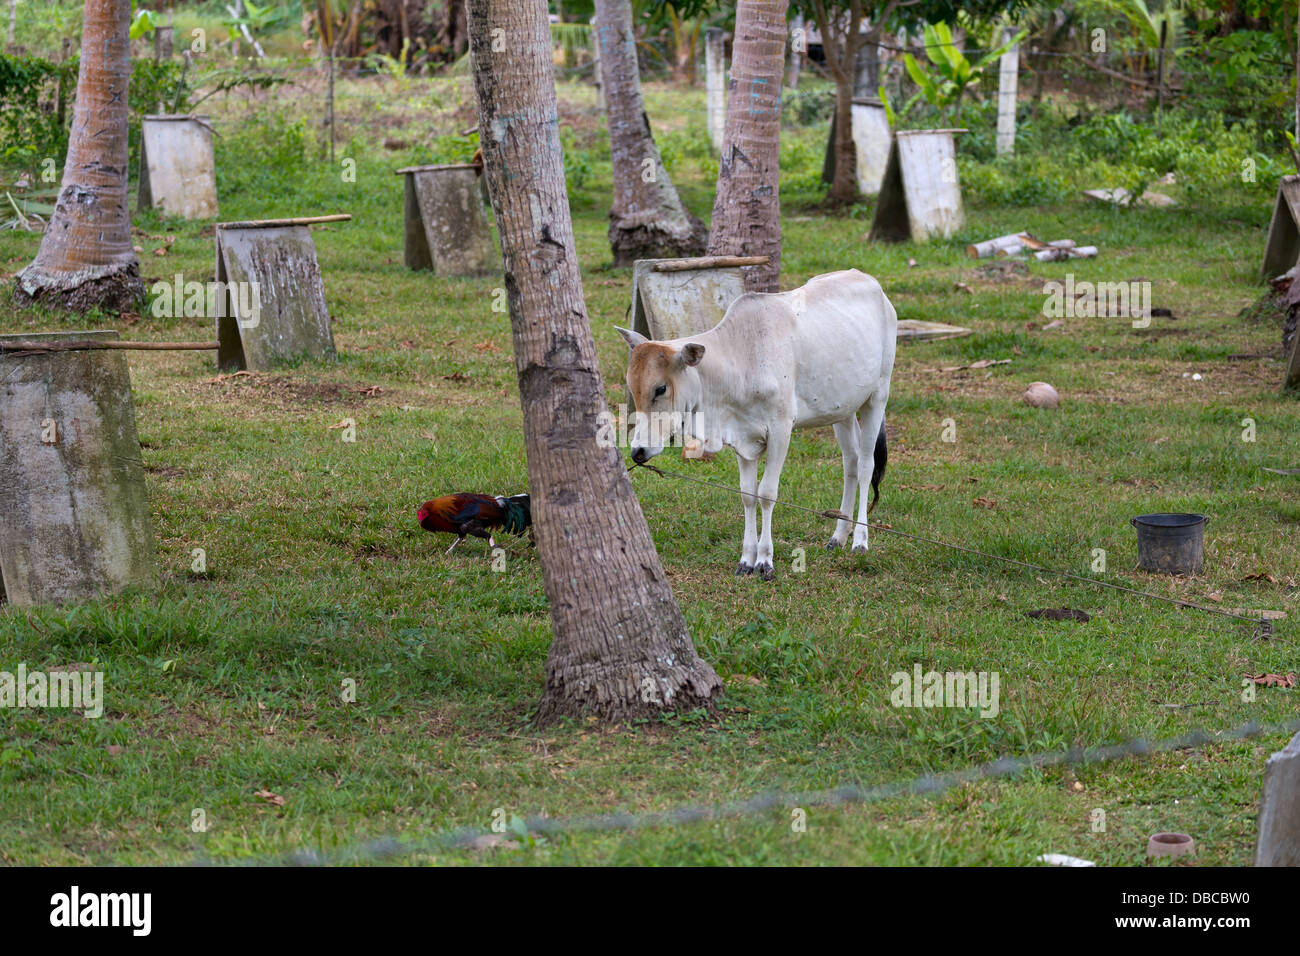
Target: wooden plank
[[74, 512], [292, 321], [706, 262], [915, 330], [278, 223], [437, 166], [18, 344]]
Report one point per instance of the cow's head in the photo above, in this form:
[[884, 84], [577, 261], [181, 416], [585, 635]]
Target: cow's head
[[664, 383]]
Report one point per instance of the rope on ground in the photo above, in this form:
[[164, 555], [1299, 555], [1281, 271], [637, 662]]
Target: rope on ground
[[1263, 628]]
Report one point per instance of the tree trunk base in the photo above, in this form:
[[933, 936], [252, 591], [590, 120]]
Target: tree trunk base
[[622, 691], [632, 239], [114, 288]]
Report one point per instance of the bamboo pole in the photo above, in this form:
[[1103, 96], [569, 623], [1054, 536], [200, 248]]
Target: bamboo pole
[[272, 223], [709, 262], [79, 345]]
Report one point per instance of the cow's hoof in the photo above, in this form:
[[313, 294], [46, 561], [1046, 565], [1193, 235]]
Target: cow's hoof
[[766, 571], [832, 544], [743, 569], [859, 549]]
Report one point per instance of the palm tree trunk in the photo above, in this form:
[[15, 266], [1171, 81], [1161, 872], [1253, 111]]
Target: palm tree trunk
[[647, 219], [844, 187], [85, 258], [841, 42], [747, 208], [621, 648]]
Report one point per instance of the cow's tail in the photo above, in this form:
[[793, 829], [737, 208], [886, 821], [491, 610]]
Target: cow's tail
[[878, 472]]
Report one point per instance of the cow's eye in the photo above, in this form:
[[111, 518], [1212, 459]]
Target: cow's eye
[[659, 391]]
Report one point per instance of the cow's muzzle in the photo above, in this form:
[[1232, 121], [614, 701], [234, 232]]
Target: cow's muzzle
[[640, 455]]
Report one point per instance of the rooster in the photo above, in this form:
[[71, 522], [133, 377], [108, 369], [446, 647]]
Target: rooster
[[463, 514]]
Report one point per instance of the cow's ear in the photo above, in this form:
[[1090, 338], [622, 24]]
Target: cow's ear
[[633, 339], [691, 353]]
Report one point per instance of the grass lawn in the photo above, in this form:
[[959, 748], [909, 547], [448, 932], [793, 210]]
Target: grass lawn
[[228, 683]]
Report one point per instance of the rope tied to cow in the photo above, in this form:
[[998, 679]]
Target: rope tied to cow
[[1263, 628]]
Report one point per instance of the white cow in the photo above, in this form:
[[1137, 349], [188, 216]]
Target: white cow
[[819, 355]]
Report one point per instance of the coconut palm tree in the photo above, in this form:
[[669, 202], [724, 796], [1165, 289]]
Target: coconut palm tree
[[85, 258], [647, 219], [620, 649], [747, 208]]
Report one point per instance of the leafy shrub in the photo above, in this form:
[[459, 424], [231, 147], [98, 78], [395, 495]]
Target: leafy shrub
[[801, 159], [29, 113], [1022, 181], [807, 107], [268, 154], [29, 122]]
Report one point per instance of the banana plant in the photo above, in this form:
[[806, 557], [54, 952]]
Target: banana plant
[[143, 22], [953, 72]]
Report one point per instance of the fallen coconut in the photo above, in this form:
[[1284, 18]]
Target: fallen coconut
[[1041, 395]]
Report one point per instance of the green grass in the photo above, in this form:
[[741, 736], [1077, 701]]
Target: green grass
[[228, 683]]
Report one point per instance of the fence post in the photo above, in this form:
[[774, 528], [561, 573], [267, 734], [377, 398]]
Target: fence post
[[1160, 80], [715, 83], [1008, 74]]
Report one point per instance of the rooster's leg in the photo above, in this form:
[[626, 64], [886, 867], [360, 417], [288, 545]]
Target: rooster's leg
[[491, 542], [454, 543]]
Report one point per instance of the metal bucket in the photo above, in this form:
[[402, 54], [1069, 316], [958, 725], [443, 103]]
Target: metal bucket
[[1170, 543]]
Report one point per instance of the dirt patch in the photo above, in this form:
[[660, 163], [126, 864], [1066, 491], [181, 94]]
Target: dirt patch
[[159, 471], [284, 391]]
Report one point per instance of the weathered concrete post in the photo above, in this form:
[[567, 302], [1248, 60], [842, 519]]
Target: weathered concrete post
[[871, 138], [920, 196], [866, 70], [1008, 71], [162, 43], [798, 47], [1279, 809], [715, 83], [74, 514], [673, 298], [446, 225], [270, 296], [177, 171], [1283, 248]]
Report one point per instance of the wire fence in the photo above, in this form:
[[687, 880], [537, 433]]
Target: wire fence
[[387, 849]]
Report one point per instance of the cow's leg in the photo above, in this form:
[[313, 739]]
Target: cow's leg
[[846, 433], [777, 446], [870, 417], [748, 485]]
